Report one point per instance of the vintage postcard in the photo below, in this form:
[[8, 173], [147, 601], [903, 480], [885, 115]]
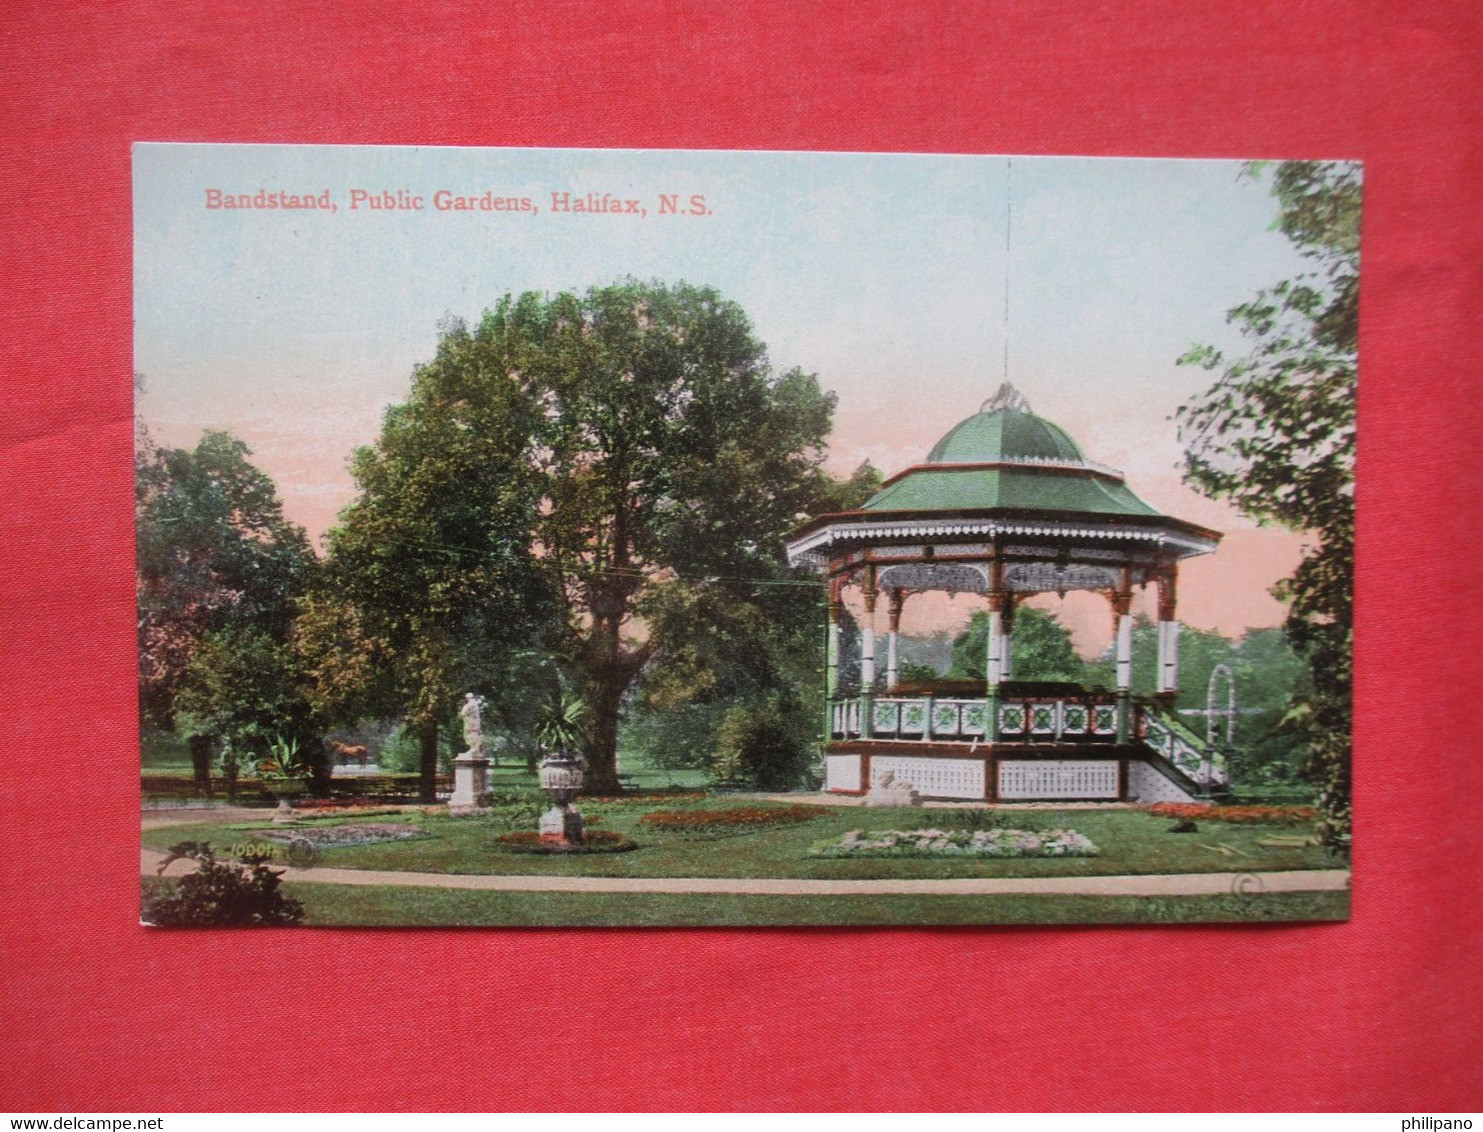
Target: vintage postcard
[[582, 537]]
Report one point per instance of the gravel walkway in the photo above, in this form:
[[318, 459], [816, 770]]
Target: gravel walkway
[[1176, 884]]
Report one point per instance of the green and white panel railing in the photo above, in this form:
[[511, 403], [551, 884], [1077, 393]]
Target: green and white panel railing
[[966, 720], [1058, 720], [960, 719], [1185, 751]]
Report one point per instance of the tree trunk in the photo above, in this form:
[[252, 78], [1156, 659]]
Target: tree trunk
[[321, 767], [427, 784], [604, 701], [200, 747], [609, 670]]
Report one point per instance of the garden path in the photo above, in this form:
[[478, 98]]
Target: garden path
[[1175, 884]]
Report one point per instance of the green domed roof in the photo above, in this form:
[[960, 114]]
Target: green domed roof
[[1004, 434], [1004, 456]]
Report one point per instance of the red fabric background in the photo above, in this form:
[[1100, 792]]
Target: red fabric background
[[101, 1015]]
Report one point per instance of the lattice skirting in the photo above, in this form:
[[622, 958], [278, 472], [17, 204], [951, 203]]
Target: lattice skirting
[[1147, 785], [1058, 778], [935, 778]]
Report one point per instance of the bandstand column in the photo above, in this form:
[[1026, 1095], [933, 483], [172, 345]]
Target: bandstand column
[[1122, 605], [995, 658], [831, 655], [893, 667], [867, 633], [1168, 684], [1006, 640], [867, 654], [831, 648]]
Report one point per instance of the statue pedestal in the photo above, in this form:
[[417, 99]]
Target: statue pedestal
[[561, 824], [470, 785]]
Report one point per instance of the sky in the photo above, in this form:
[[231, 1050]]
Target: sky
[[912, 285]]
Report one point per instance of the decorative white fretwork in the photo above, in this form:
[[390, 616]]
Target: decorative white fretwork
[[1047, 577], [1058, 778], [951, 577], [935, 778], [812, 547]]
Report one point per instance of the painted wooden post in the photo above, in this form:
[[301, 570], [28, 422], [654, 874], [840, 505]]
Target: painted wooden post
[[1006, 640], [893, 667], [1122, 605], [1168, 683], [867, 657], [834, 614], [995, 660]]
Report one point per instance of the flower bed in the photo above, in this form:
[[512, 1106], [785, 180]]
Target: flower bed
[[336, 836], [741, 817], [320, 811], [527, 842], [957, 843], [1246, 815], [649, 798]]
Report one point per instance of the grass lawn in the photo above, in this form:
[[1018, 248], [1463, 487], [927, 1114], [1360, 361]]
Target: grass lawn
[[1130, 842], [328, 905]]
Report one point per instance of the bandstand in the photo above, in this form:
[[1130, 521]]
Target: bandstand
[[1006, 506]]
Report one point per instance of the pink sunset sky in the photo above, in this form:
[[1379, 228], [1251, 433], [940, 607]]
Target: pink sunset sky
[[887, 275]]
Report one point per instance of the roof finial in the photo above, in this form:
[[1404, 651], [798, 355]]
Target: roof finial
[[1007, 397]]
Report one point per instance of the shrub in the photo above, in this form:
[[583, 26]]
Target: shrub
[[682, 737], [401, 753], [761, 744], [516, 809], [221, 893]]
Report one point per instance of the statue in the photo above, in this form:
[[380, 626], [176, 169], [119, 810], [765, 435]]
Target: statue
[[888, 790], [470, 769], [473, 732]]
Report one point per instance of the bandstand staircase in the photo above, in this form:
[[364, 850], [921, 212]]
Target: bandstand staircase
[[1187, 761]]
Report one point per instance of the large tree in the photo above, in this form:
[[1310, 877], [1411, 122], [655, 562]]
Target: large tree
[[1274, 435], [218, 565], [735, 681], [670, 454], [431, 583]]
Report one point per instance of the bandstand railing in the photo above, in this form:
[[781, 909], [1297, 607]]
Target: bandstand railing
[[1073, 716], [1015, 716]]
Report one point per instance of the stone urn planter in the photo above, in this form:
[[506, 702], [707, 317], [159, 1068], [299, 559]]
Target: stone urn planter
[[562, 777]]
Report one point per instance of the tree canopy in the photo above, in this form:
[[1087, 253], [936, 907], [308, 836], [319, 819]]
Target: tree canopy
[[432, 585], [219, 573], [1274, 435], [603, 478], [214, 553], [670, 457]]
